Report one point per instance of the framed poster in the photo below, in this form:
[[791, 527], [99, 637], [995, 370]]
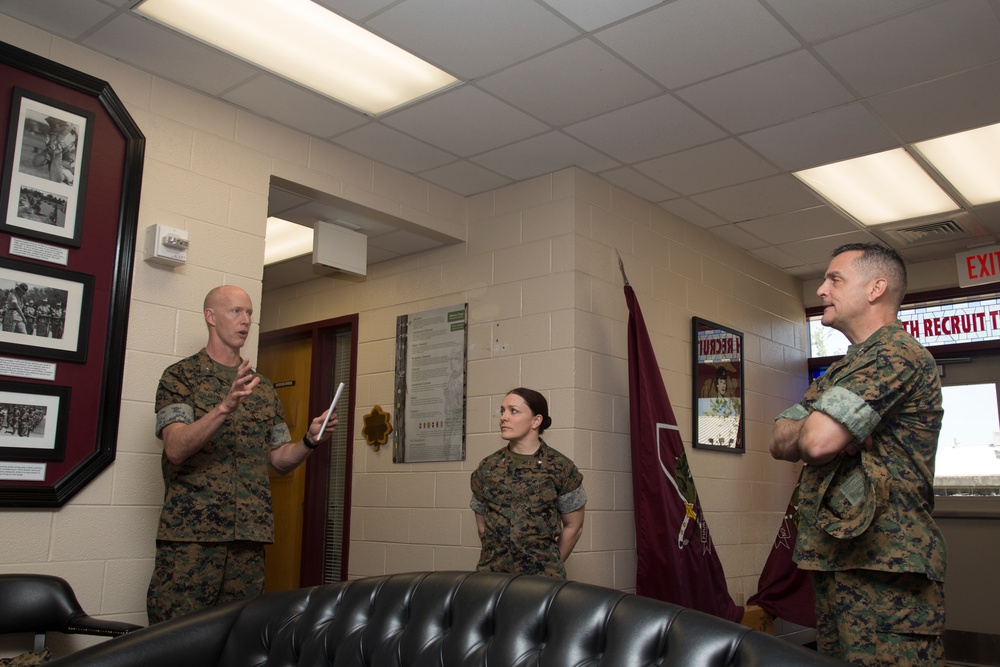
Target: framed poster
[[718, 387], [45, 311], [45, 168], [33, 421], [430, 385], [71, 177]]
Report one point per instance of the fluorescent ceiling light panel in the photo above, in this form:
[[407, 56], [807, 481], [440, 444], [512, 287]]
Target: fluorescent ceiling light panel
[[308, 44], [970, 161], [879, 188], [285, 240]]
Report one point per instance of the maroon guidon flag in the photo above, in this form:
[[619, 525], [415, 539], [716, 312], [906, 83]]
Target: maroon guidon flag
[[677, 561], [783, 590]]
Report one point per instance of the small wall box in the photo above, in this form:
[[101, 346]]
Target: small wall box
[[166, 245]]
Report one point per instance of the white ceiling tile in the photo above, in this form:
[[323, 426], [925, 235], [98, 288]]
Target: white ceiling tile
[[768, 93], [472, 39], [576, 81], [816, 21], [821, 138], [688, 210], [704, 168], [819, 250], [738, 237], [594, 15], [393, 148], [169, 54], [72, 19], [355, 9], [290, 105], [465, 178], [465, 121], [756, 199], [632, 181], [936, 41], [686, 41], [779, 258], [542, 155], [646, 130], [943, 106], [799, 225]]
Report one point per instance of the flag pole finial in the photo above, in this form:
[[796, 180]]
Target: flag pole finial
[[621, 265]]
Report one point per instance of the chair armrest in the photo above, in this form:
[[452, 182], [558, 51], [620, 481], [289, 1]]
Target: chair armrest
[[82, 624]]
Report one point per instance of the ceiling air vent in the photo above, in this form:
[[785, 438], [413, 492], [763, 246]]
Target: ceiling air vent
[[944, 230]]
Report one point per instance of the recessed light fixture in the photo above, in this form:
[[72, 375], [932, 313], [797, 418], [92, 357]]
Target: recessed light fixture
[[304, 42], [880, 188], [969, 160], [285, 240]]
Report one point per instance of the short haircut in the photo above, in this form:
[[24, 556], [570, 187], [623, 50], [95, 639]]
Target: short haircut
[[879, 261]]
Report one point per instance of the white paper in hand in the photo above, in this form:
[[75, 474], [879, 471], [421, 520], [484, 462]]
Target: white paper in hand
[[333, 404]]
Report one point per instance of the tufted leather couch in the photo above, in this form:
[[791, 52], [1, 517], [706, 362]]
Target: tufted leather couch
[[447, 619]]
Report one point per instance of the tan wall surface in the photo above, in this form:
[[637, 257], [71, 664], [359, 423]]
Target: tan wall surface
[[547, 310]]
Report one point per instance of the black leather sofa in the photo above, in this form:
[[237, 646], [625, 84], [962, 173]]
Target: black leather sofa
[[448, 619]]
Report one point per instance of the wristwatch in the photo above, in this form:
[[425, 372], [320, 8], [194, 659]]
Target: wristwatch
[[307, 441]]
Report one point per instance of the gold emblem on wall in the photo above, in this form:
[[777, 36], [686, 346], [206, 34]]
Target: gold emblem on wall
[[377, 427]]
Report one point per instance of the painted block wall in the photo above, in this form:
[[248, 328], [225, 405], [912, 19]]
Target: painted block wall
[[547, 310]]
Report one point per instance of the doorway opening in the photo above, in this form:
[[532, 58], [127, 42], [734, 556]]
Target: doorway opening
[[312, 505]]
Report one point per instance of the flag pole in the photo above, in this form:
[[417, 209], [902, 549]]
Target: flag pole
[[621, 265]]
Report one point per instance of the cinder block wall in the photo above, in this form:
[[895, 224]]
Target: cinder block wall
[[547, 310]]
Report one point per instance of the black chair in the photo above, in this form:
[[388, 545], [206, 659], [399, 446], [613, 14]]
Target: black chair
[[39, 603]]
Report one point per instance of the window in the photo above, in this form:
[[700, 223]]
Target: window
[[968, 458]]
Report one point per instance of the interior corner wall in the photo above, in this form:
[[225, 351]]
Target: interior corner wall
[[547, 310]]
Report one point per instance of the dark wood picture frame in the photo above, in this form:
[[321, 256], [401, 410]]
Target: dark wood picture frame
[[46, 164], [107, 223], [33, 421], [717, 378], [67, 293]]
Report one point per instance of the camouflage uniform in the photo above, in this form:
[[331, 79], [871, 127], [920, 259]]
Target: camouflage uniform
[[522, 497], [865, 520], [219, 496]]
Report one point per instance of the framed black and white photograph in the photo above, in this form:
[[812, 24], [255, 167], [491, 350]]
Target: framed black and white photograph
[[45, 311], [33, 421], [45, 169]]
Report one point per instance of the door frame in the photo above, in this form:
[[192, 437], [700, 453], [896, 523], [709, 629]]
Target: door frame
[[321, 390]]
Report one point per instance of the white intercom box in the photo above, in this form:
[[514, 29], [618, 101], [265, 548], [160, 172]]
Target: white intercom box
[[340, 248], [166, 245]]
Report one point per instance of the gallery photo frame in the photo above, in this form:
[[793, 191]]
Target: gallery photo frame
[[69, 137], [46, 164], [46, 311], [33, 421]]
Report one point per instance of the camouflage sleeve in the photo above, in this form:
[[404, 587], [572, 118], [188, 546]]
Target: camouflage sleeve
[[176, 413], [572, 501], [477, 503], [796, 413], [850, 410], [280, 435]]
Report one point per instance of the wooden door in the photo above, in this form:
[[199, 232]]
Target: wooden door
[[287, 365]]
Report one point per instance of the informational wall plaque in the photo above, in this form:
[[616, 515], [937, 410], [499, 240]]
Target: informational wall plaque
[[430, 385]]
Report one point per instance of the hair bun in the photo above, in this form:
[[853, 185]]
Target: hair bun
[[546, 422]]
